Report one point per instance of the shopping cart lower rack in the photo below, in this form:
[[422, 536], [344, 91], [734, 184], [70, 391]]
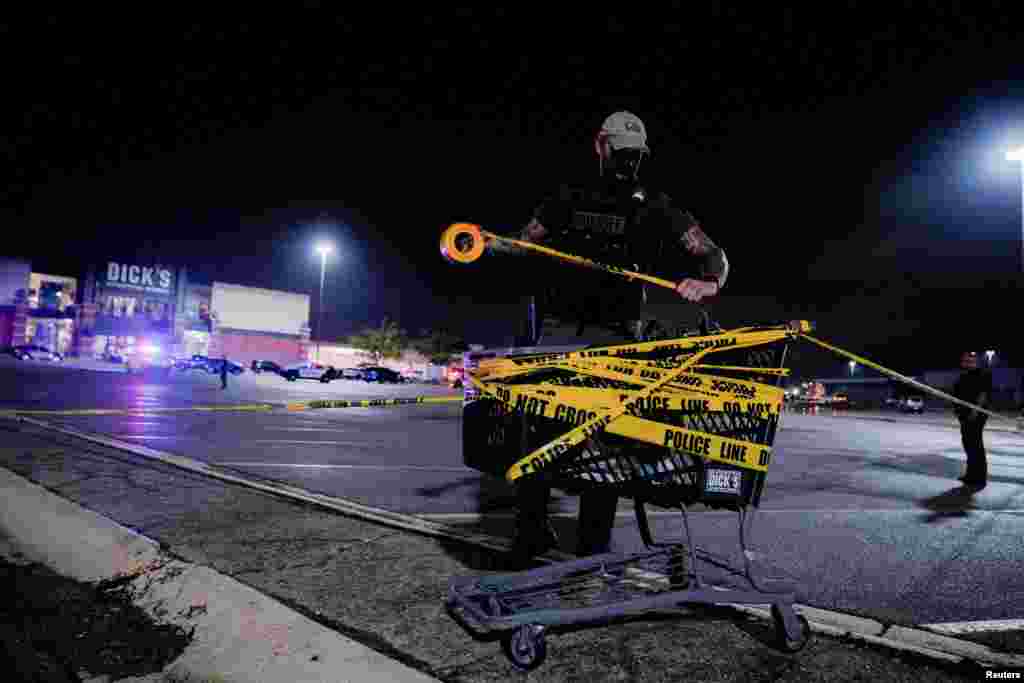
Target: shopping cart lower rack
[[606, 587], [522, 606]]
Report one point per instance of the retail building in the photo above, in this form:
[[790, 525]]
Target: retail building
[[115, 306]]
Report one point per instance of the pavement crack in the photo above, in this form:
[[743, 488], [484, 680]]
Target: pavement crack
[[251, 570], [368, 541]]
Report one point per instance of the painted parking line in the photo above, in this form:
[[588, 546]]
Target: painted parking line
[[480, 517], [306, 429], [140, 411], [476, 517], [962, 627], [288, 442], [315, 466], [151, 407]]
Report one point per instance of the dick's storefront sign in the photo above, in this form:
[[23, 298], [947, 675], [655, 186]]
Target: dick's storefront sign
[[142, 278]]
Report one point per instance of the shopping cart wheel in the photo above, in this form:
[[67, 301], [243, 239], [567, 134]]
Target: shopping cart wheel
[[526, 647], [784, 642]]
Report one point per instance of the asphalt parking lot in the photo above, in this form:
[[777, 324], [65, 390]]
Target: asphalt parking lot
[[862, 514]]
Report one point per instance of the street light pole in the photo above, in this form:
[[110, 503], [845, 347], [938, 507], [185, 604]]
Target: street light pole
[[1018, 155], [324, 250]]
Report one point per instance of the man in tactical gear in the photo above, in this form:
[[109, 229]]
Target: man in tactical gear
[[614, 219]]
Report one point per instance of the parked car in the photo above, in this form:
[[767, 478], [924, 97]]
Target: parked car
[[414, 376], [114, 356], [259, 366], [11, 351], [912, 404], [213, 366], [309, 370], [454, 375], [196, 362], [382, 375], [350, 373], [32, 352]]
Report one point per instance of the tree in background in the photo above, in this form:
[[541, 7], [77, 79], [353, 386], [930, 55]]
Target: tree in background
[[386, 341], [439, 345]]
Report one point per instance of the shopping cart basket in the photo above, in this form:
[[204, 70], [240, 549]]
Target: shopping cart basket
[[501, 426]]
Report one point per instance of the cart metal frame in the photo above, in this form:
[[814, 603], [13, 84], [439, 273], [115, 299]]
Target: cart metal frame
[[524, 605]]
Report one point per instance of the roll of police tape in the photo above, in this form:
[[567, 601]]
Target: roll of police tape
[[465, 243], [462, 243], [371, 403], [652, 390]]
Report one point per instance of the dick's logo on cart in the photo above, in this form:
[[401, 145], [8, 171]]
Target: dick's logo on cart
[[138, 277], [723, 481]]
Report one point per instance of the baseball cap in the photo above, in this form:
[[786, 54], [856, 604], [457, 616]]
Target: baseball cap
[[625, 130]]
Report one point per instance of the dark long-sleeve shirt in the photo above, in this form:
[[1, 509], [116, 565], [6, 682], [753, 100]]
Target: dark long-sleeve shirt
[[970, 386], [630, 227]]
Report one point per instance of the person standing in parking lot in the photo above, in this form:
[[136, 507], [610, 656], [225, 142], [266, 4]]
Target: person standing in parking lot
[[224, 372], [974, 386]]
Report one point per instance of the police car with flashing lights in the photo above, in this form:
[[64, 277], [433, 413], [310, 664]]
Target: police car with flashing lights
[[308, 370], [146, 356]]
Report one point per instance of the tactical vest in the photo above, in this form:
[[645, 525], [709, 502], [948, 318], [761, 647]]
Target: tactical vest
[[621, 226]]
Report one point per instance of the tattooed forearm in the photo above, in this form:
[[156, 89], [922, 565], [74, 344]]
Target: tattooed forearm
[[697, 242]]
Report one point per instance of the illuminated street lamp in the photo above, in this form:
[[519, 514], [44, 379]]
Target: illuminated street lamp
[[323, 250], [989, 355], [853, 364], [1018, 155]]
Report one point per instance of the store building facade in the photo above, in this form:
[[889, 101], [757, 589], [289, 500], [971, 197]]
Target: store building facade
[[126, 304], [117, 305], [249, 323], [36, 308]]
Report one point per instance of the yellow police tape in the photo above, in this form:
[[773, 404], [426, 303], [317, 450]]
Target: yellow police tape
[[667, 384], [613, 403], [908, 380], [602, 397], [371, 403]]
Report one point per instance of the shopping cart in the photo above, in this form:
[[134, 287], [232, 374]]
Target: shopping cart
[[522, 606]]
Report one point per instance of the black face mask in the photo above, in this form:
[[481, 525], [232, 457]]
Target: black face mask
[[625, 163]]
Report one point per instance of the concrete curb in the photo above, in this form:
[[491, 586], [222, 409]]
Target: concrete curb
[[899, 638], [239, 634]]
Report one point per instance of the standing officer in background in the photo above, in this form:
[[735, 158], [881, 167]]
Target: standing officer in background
[[224, 372], [613, 219], [974, 386]]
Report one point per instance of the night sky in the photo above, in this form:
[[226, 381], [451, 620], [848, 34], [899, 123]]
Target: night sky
[[823, 149]]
